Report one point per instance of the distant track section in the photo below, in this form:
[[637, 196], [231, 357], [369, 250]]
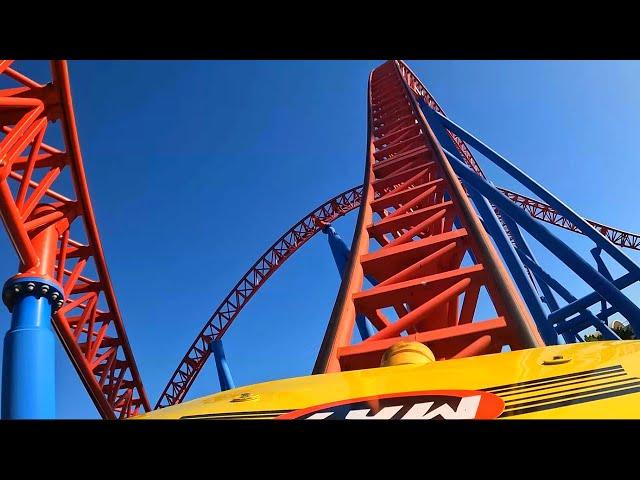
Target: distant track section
[[289, 243], [544, 212], [248, 285]]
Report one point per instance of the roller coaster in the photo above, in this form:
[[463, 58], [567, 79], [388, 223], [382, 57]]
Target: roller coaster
[[443, 310]]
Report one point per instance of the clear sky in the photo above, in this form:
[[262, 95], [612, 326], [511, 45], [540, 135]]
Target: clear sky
[[195, 168]]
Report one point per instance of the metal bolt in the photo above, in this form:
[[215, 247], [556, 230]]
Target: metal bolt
[[31, 286], [54, 296], [44, 289], [60, 303], [16, 288]]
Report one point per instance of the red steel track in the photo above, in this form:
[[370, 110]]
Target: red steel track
[[416, 85], [249, 284], [544, 212], [418, 199], [93, 336], [89, 324], [279, 252]]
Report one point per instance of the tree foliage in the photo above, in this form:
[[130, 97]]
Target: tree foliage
[[624, 332]]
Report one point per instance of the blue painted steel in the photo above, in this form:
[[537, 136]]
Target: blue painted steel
[[568, 297], [591, 298], [562, 251], [341, 254], [494, 228], [516, 268], [547, 295], [602, 268], [339, 249], [28, 366], [224, 374], [603, 284], [546, 196], [522, 248], [575, 324]]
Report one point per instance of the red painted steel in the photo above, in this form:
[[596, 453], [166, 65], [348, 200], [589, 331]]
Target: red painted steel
[[416, 85], [249, 284], [419, 89], [95, 338], [197, 355], [535, 208], [544, 212], [89, 324], [187, 375], [413, 190]]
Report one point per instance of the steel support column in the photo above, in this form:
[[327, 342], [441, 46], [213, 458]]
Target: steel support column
[[224, 374], [28, 366], [341, 254]]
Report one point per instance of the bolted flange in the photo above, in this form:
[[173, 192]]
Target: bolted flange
[[16, 288]]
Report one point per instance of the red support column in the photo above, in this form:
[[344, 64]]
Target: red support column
[[418, 263]]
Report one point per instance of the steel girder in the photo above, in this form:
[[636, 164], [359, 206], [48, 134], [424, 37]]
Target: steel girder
[[246, 288], [114, 383], [546, 213], [89, 323], [411, 187], [175, 391], [197, 355]]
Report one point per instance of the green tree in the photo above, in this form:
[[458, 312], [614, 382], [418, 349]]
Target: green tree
[[624, 332]]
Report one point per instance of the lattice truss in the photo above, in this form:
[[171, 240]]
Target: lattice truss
[[238, 297], [573, 319], [422, 291], [426, 263], [249, 284], [88, 323]]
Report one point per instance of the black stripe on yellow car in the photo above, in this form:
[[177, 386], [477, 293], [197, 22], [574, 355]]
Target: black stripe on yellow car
[[574, 400], [519, 398], [565, 390], [552, 380], [264, 414]]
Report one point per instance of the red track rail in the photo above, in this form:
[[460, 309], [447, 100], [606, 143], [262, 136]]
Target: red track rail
[[535, 208], [95, 339], [544, 212], [410, 185], [186, 374], [416, 85], [89, 325], [190, 366], [246, 288]]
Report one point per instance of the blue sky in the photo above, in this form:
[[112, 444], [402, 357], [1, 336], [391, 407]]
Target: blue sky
[[195, 168]]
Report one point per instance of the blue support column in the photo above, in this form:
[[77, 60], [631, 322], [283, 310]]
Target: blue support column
[[28, 366], [522, 249], [562, 251], [605, 288], [516, 268], [339, 249], [224, 374], [523, 246], [602, 268], [495, 230], [586, 316], [585, 227], [568, 310], [341, 254]]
